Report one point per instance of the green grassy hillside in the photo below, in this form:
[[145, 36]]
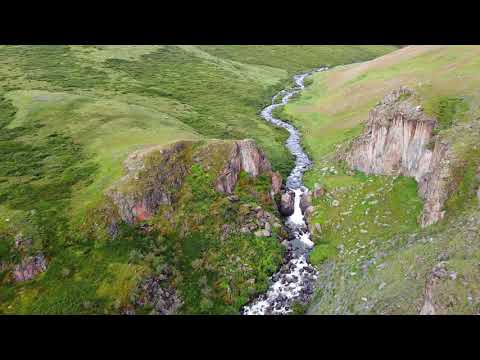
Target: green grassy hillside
[[69, 115], [372, 255]]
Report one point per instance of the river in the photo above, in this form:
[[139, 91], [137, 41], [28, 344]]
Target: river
[[294, 281]]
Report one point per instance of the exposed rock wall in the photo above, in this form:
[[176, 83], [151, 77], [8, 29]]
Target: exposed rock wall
[[396, 142], [245, 155]]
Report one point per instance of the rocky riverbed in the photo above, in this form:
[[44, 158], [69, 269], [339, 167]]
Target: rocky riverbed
[[294, 281]]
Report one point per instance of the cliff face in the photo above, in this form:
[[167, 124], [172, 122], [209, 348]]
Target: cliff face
[[395, 142], [245, 155]]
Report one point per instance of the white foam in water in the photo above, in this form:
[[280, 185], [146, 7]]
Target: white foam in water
[[294, 280]]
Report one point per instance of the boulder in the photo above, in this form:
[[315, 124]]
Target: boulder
[[305, 201], [308, 211], [263, 233], [287, 203], [318, 191]]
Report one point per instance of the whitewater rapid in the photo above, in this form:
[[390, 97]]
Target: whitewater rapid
[[293, 282]]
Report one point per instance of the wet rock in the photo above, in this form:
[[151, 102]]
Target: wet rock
[[287, 203], [305, 201], [30, 267]]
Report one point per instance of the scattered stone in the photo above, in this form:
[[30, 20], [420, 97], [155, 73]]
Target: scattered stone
[[233, 198], [443, 256], [164, 300], [335, 203], [30, 267], [263, 233]]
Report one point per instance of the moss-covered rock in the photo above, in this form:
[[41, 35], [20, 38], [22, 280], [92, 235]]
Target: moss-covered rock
[[204, 201]]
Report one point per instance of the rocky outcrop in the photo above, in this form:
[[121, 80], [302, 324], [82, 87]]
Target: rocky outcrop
[[245, 155], [153, 178], [29, 268], [287, 203], [396, 142]]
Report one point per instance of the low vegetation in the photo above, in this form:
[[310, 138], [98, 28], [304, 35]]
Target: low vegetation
[[371, 253], [70, 115]]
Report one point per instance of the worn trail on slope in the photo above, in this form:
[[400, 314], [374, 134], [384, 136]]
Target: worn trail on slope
[[295, 278]]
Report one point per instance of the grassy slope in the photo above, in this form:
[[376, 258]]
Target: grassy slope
[[372, 254], [70, 114]]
